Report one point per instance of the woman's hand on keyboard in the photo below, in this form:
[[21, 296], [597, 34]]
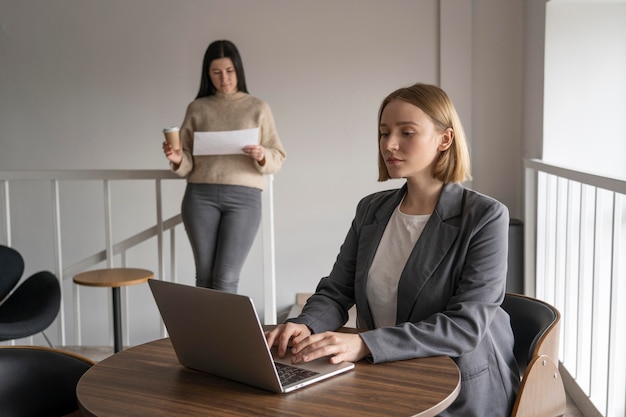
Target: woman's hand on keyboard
[[285, 335], [339, 346]]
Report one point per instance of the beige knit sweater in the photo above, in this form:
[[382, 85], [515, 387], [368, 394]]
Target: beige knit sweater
[[226, 112]]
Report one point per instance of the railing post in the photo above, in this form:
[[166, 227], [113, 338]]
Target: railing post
[[617, 335], [108, 221], [7, 212], [269, 265], [173, 274], [7, 218], [530, 230], [108, 233], [159, 219], [58, 251]]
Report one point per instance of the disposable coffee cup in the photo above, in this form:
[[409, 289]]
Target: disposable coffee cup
[[172, 136]]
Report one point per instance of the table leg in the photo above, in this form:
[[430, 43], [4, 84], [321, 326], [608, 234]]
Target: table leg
[[117, 320]]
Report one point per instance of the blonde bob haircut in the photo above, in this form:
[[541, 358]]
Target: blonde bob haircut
[[453, 164]]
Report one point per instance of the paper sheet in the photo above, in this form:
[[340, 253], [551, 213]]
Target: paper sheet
[[224, 143]]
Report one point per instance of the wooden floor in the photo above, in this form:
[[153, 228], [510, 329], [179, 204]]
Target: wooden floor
[[98, 353]]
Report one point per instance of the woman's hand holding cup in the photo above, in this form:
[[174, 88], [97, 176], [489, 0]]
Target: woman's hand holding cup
[[172, 148]]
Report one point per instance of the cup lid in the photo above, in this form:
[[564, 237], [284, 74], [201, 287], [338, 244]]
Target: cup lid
[[171, 129]]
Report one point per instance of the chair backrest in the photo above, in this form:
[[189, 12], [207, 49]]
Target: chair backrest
[[536, 328], [38, 381], [31, 308], [11, 270]]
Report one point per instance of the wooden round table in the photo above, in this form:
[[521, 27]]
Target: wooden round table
[[114, 278], [148, 380]]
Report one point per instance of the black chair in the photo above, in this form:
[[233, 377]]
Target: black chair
[[39, 381], [536, 328], [33, 305]]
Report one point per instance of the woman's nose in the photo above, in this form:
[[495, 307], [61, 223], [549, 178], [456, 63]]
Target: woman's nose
[[391, 144]]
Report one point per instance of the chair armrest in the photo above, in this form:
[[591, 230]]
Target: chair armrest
[[541, 392], [549, 344]]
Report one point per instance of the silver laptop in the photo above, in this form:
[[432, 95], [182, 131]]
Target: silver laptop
[[220, 333]]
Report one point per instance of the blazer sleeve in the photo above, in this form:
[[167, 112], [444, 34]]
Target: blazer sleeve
[[327, 309]]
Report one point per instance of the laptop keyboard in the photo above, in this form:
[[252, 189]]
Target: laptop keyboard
[[290, 374]]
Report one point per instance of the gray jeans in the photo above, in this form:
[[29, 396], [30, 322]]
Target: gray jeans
[[222, 222]]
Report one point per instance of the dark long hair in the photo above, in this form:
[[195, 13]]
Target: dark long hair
[[216, 50]]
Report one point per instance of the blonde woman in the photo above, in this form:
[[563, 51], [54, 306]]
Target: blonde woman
[[425, 264]]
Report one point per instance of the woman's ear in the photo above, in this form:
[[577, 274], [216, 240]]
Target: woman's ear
[[445, 140]]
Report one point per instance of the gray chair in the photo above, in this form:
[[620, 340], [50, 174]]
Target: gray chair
[[32, 306], [39, 381], [536, 327]]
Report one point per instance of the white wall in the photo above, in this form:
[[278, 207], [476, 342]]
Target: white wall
[[585, 100], [91, 84]]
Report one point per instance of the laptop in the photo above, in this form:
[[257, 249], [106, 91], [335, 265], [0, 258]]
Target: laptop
[[220, 333]]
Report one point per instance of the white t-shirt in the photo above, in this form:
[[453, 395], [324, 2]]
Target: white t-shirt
[[394, 249]]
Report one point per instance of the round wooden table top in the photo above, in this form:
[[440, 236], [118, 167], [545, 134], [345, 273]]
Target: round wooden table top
[[113, 277], [148, 380]]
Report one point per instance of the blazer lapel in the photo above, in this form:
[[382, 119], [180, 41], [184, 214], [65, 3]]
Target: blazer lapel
[[433, 244]]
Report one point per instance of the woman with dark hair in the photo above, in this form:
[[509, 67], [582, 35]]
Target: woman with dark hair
[[221, 208], [218, 50], [425, 264]]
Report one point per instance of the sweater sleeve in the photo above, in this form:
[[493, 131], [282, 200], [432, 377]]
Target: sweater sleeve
[[186, 139], [274, 152]]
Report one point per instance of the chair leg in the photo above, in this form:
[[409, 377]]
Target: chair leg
[[47, 340]]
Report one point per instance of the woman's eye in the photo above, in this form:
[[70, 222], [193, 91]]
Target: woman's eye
[[408, 133], [384, 134]]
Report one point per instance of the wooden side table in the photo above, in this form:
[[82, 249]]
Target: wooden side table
[[114, 278]]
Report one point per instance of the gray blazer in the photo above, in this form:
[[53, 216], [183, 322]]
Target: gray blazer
[[449, 294]]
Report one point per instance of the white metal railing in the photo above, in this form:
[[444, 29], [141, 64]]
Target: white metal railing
[[112, 249], [575, 228]]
